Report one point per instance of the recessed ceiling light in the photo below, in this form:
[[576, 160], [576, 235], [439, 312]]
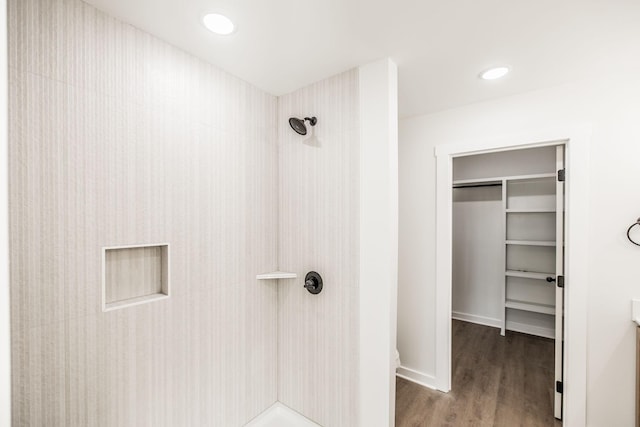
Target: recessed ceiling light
[[494, 73], [218, 24]]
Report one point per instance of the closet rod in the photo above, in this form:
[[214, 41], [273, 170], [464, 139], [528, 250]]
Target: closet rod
[[499, 184]]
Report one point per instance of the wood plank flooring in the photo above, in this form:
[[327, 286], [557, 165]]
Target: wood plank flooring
[[496, 381]]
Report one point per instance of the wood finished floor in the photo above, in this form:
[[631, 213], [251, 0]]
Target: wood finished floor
[[496, 381]]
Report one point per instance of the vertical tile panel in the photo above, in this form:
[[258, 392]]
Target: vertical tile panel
[[118, 138], [319, 199]]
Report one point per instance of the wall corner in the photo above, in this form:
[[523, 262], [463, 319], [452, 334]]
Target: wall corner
[[378, 94]]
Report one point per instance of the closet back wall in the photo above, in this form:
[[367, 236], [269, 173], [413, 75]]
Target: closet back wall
[[478, 253], [118, 138]]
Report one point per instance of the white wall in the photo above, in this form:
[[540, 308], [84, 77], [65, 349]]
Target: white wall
[[378, 241], [612, 106]]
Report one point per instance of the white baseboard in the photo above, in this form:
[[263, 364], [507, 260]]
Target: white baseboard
[[480, 320], [531, 329], [511, 325], [414, 376]]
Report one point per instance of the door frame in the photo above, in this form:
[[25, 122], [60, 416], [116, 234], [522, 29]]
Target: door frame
[[576, 140]]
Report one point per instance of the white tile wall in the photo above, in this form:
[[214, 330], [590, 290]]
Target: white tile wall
[[319, 211], [118, 138]]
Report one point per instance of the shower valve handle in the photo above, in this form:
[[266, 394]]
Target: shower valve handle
[[311, 284]]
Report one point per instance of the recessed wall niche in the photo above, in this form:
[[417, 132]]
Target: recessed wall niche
[[133, 275]]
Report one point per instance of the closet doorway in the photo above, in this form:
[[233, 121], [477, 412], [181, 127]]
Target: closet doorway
[[508, 277], [576, 140]]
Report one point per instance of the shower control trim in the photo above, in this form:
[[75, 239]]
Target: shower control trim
[[313, 282]]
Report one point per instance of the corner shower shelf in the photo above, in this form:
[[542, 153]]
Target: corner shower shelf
[[276, 275]]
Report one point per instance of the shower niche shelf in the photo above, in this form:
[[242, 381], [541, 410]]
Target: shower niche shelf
[[135, 274], [276, 275]]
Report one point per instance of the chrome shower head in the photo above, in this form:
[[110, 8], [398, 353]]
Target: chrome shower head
[[299, 126]]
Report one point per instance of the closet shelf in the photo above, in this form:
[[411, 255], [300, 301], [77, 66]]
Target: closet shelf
[[541, 210], [276, 275], [529, 274], [530, 306], [498, 180], [532, 177], [480, 181], [531, 242]]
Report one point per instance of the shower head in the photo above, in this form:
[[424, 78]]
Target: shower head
[[299, 126]]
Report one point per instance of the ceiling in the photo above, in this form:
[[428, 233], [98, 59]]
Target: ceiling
[[440, 46]]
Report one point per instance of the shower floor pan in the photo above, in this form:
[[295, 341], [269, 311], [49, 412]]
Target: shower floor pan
[[278, 415]]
